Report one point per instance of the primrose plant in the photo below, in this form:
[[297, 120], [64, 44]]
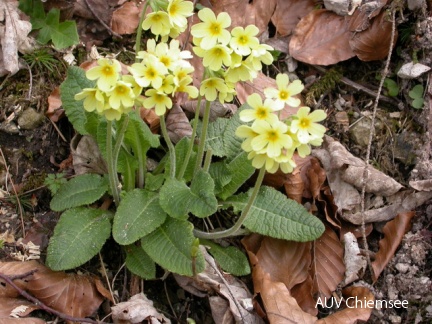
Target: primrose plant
[[162, 216]]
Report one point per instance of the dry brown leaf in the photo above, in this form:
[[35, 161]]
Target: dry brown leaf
[[351, 314], [281, 307], [13, 37], [100, 8], [87, 157], [177, 124], [322, 38], [373, 43], [150, 118], [393, 233], [7, 305], [72, 294], [30, 320], [288, 14], [125, 19], [284, 261], [136, 310], [54, 111], [217, 109], [328, 268], [303, 293], [355, 262], [421, 185]]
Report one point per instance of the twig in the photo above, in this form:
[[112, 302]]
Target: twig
[[58, 130], [93, 11], [106, 277], [16, 194], [368, 91], [371, 134], [23, 275], [44, 307]]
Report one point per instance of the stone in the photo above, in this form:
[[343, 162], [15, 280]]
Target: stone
[[412, 71], [360, 131], [30, 119], [416, 4], [404, 148]]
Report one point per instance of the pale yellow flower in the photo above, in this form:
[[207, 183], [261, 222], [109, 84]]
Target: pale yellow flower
[[271, 138], [158, 22], [158, 100], [285, 92], [260, 110], [106, 73], [243, 40], [305, 125], [178, 11], [212, 29]]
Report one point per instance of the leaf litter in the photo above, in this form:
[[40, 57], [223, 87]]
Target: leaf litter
[[316, 268]]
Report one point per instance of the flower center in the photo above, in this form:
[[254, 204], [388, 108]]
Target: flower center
[[304, 123], [262, 113], [272, 136], [121, 90], [173, 10], [151, 73], [283, 95], [215, 28], [165, 61], [243, 40]]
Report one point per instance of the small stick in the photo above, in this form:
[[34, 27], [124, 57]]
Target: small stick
[[44, 307]]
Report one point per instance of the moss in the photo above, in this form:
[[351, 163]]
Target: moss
[[326, 83]]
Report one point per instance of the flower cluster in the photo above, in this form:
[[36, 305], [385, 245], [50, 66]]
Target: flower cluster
[[163, 71], [229, 57], [271, 142], [114, 93]]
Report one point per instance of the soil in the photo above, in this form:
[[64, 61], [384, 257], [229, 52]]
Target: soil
[[33, 154]]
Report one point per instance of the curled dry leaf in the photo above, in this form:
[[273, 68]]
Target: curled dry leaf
[[30, 320], [136, 310], [373, 43], [9, 304], [72, 294], [328, 268], [87, 157], [355, 262], [288, 13], [13, 37], [232, 289], [393, 233], [322, 38], [125, 19], [352, 314], [177, 124], [421, 185]]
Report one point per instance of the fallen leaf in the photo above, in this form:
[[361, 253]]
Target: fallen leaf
[[29, 320], [13, 37], [355, 263], [9, 304], [352, 314], [374, 42], [421, 185], [288, 14], [125, 19], [136, 310], [328, 268], [69, 293], [393, 233], [177, 124], [87, 157], [54, 111], [217, 109], [322, 38], [303, 293]]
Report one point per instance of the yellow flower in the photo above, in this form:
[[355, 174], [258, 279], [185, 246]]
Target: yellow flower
[[243, 39], [159, 100], [260, 54], [121, 95], [93, 99], [158, 22], [244, 131], [111, 114], [167, 84], [259, 111], [180, 72], [242, 71], [150, 71], [285, 91], [305, 125], [136, 88], [106, 73], [184, 86], [212, 29], [216, 56], [178, 11], [211, 86], [271, 138]]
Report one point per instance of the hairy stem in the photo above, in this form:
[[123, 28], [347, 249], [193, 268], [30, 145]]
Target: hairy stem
[[245, 212], [171, 148], [201, 145], [139, 30], [112, 172]]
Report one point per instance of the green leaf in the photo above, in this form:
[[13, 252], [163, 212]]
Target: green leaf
[[221, 175], [214, 140], [75, 82], [392, 87], [241, 169], [79, 235], [138, 214], [416, 92], [154, 182], [230, 258], [181, 149], [273, 214], [170, 246], [177, 199], [138, 262], [231, 142], [65, 34], [417, 103], [81, 190]]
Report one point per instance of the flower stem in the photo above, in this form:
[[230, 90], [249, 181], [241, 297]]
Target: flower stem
[[171, 148], [112, 172], [139, 30], [235, 230], [201, 145]]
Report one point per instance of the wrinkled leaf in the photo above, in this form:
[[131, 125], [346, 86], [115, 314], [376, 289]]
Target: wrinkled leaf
[[139, 263]]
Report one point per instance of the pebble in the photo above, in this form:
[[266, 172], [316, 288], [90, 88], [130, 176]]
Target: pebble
[[30, 119], [402, 267]]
